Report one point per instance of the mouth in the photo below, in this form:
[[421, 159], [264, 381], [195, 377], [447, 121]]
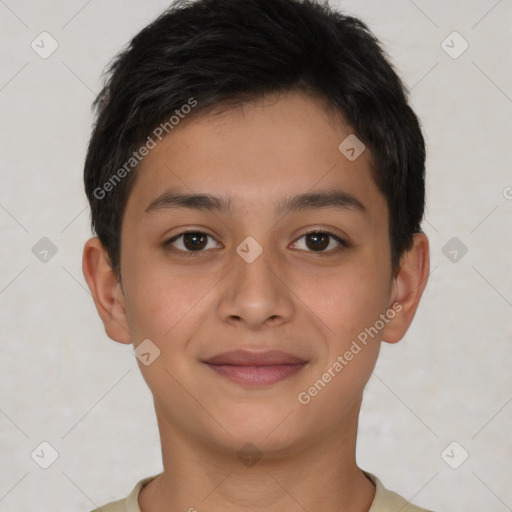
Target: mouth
[[256, 368]]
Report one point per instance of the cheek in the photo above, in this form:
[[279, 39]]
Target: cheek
[[169, 308], [166, 308], [161, 298], [347, 301], [348, 305]]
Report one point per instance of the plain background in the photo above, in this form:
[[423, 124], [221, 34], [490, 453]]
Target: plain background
[[65, 382]]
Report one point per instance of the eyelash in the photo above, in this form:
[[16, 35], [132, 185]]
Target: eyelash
[[343, 244]]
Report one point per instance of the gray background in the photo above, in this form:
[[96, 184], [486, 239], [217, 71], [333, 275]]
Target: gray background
[[65, 382]]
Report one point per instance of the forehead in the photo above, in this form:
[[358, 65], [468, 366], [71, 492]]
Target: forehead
[[256, 155]]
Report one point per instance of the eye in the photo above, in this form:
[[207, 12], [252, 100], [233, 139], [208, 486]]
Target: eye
[[319, 241], [191, 241]]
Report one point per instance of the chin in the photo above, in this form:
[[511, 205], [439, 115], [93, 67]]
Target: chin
[[273, 435]]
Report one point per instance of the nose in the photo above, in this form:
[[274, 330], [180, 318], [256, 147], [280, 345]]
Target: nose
[[256, 293]]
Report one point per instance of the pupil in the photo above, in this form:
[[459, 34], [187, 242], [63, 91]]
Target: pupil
[[194, 241], [320, 240]]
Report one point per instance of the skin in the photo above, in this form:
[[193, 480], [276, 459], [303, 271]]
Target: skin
[[292, 297]]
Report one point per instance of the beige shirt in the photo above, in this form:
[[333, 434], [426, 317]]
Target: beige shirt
[[384, 501]]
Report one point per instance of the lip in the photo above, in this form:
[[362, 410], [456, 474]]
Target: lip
[[256, 368], [242, 357]]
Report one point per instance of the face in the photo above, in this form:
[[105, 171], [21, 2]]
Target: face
[[287, 250]]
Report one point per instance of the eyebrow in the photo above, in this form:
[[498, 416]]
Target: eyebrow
[[337, 199]]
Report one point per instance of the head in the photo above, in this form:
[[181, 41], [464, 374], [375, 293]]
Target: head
[[229, 119]]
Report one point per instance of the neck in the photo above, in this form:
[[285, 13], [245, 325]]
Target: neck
[[320, 476]]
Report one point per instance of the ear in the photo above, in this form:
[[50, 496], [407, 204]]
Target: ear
[[407, 289], [106, 291]]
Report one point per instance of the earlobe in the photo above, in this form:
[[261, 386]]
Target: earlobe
[[106, 291], [410, 282]]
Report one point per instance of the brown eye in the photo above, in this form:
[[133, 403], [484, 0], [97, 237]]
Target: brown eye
[[191, 241], [194, 241], [319, 241]]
